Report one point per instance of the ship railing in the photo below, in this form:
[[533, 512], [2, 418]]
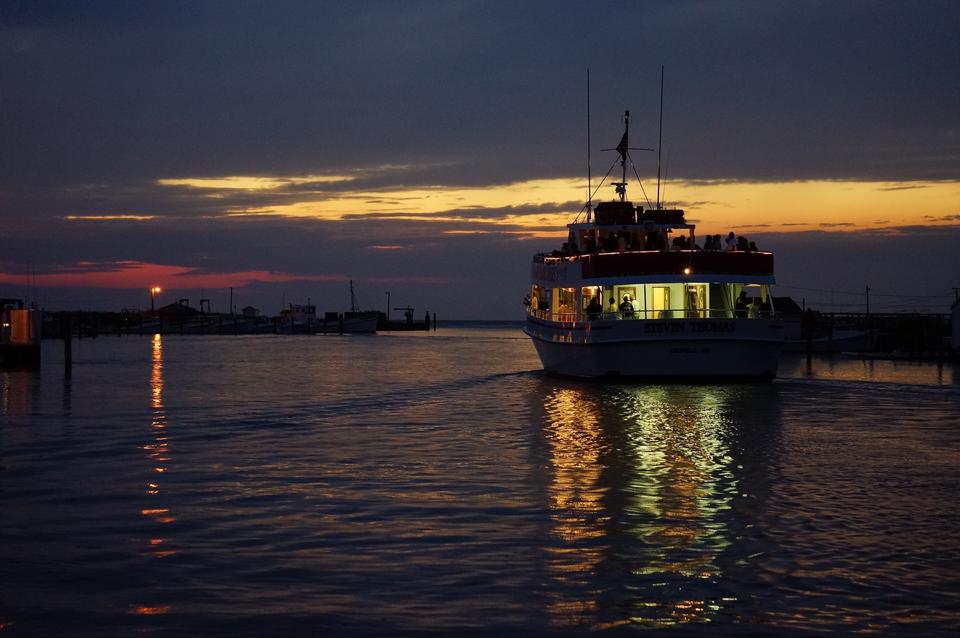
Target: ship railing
[[652, 315]]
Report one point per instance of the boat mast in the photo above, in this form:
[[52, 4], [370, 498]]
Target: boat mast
[[353, 302], [589, 175], [622, 147], [660, 140]]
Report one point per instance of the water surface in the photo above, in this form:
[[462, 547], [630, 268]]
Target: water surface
[[439, 483]]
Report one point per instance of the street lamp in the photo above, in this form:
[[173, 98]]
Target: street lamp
[[153, 295]]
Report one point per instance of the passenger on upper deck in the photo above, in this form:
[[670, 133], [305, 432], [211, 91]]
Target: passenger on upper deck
[[626, 308], [731, 241], [742, 243]]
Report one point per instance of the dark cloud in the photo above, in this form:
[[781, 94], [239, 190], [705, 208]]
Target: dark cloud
[[102, 99], [902, 187]]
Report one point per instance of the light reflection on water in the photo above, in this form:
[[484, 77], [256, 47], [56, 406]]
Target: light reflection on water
[[644, 482], [439, 483]]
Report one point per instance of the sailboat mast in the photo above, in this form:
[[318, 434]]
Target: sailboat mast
[[353, 301], [660, 139]]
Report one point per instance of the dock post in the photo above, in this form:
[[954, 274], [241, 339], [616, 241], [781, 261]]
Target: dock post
[[67, 331], [434, 322]]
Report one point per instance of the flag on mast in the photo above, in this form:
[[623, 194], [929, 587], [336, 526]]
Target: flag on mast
[[622, 146]]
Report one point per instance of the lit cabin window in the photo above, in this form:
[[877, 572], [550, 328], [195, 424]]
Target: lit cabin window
[[566, 306], [661, 301], [696, 302]]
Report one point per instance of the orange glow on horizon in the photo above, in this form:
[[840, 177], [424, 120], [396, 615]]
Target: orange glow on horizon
[[143, 610], [100, 218], [755, 206], [131, 274], [251, 182]]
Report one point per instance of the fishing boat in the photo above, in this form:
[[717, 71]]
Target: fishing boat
[[353, 321], [632, 294]]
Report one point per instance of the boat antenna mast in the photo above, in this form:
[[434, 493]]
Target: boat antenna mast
[[660, 139], [589, 172], [353, 299], [622, 149]]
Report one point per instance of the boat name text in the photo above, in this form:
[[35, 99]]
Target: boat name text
[[694, 326]]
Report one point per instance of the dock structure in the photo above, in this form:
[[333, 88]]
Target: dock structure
[[19, 335], [904, 335], [180, 319]]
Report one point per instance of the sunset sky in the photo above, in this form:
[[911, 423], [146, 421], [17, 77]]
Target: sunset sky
[[428, 149]]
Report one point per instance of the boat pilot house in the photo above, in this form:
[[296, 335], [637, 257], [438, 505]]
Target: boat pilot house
[[635, 292]]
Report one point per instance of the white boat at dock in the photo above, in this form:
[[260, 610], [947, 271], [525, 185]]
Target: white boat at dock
[[303, 319], [625, 297]]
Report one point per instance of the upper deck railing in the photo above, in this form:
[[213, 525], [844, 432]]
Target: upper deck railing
[[663, 262], [751, 312]]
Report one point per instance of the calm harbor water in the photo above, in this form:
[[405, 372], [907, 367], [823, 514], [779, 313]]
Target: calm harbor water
[[438, 483]]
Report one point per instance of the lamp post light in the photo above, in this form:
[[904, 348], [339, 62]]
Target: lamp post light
[[153, 295]]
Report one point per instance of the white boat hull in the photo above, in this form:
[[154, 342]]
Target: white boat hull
[[360, 323], [668, 349]]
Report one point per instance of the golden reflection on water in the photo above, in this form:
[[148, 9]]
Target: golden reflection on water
[[647, 463], [158, 450], [16, 392], [575, 498]]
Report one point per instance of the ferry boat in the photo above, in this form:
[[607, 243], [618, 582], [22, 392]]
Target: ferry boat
[[631, 294]]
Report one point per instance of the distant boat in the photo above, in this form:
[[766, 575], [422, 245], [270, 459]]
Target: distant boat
[[631, 295], [355, 321], [838, 339], [298, 319], [19, 335]]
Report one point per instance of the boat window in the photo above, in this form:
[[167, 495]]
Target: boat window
[[539, 297], [717, 301], [661, 302], [590, 293], [696, 300], [566, 305]]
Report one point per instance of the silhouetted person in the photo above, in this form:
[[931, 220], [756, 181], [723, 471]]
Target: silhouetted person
[[594, 309], [740, 308]]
